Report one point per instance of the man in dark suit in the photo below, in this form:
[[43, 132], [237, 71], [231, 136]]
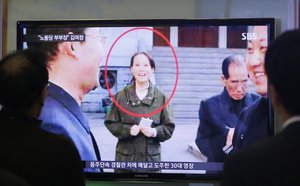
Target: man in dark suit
[[253, 124], [275, 160], [28, 152], [73, 72], [219, 114]]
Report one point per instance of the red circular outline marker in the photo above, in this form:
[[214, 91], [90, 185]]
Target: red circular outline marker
[[176, 80]]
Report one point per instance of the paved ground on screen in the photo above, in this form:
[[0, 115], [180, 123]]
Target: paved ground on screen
[[177, 148]]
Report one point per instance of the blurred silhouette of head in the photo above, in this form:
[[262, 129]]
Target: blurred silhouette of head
[[23, 79]]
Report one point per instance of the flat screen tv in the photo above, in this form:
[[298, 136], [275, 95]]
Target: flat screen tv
[[188, 55]]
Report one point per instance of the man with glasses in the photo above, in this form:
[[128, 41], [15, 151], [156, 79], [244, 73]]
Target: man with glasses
[[219, 114], [73, 72]]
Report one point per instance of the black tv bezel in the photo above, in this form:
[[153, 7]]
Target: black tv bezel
[[178, 177]]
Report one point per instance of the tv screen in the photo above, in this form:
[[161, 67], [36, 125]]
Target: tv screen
[[183, 119]]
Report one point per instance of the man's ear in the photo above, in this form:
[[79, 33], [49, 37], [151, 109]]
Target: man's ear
[[223, 79], [69, 49]]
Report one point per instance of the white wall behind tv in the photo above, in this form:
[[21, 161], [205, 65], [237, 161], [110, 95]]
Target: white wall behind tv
[[283, 10]]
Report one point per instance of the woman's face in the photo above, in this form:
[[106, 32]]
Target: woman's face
[[141, 69]]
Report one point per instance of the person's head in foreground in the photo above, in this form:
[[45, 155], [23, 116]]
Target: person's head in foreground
[[23, 81]]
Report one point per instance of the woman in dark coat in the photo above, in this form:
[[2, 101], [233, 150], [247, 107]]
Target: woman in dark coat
[[138, 142]]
